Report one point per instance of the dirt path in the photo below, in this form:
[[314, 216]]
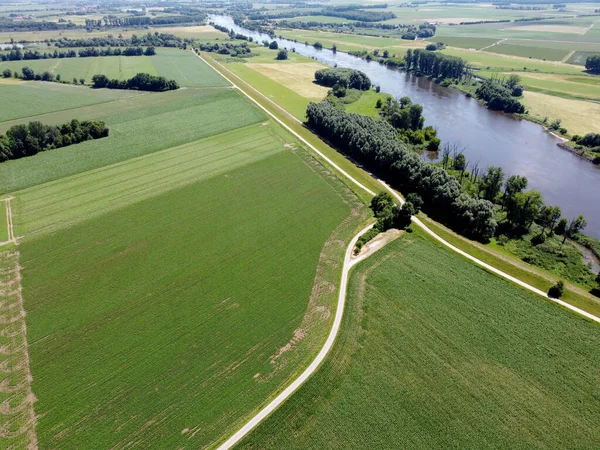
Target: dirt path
[[17, 414]]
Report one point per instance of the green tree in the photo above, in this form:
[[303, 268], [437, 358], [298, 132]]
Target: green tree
[[577, 225], [82, 80], [557, 290], [549, 216], [561, 226], [460, 162], [7, 73], [524, 209], [282, 55], [273, 45], [28, 73], [512, 81], [492, 183], [592, 64]]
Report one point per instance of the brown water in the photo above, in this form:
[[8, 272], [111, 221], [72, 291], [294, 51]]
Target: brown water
[[490, 138]]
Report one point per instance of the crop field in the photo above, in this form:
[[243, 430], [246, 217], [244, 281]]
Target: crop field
[[437, 353], [138, 126], [562, 84], [179, 65], [464, 42], [170, 279], [580, 58], [3, 222], [25, 99], [529, 52]]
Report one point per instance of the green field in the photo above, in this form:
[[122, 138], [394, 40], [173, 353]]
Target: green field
[[138, 126], [464, 42], [30, 98], [3, 222], [579, 58], [179, 65], [175, 274], [550, 54], [436, 353]]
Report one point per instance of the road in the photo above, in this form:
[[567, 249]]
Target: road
[[348, 263]]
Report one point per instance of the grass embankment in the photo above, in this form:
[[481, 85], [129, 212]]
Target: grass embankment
[[506, 262], [436, 353], [175, 64]]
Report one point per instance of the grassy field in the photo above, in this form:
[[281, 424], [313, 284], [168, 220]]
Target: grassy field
[[580, 58], [170, 279], [550, 54], [179, 65], [25, 99], [464, 42], [138, 126], [3, 222], [436, 353]]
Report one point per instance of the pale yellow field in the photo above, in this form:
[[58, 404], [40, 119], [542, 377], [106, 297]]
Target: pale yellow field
[[577, 116], [297, 77], [569, 29], [201, 31], [455, 20]]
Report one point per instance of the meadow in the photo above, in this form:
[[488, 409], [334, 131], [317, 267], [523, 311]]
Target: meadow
[[436, 353], [180, 65], [170, 279]]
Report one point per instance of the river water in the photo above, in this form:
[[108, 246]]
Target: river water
[[487, 137]]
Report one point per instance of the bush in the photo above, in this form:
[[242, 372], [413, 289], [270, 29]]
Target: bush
[[348, 78], [282, 54], [318, 45], [431, 47], [273, 45], [7, 73], [557, 290]]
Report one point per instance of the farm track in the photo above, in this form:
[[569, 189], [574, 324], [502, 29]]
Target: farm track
[[17, 414], [266, 411]]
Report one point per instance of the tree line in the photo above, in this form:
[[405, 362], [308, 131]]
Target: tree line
[[27, 140], [140, 82], [374, 144], [18, 55], [227, 48], [433, 64], [347, 78], [141, 21], [151, 39]]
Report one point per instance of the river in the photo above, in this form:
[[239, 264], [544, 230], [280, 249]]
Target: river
[[489, 138]]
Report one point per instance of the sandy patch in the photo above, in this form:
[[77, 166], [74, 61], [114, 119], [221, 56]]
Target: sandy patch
[[568, 29], [10, 81], [297, 77], [577, 116]]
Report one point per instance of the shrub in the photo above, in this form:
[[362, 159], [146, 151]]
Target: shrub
[[7, 73], [282, 54], [557, 290], [273, 45]]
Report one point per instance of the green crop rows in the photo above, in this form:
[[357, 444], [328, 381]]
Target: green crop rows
[[436, 353]]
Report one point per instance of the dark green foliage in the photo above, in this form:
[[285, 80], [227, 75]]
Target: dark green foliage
[[273, 45], [7, 73], [339, 91], [227, 48], [592, 64], [436, 65], [27, 140], [557, 290], [348, 78], [141, 82], [151, 39], [374, 144], [318, 45], [282, 55], [28, 73], [590, 140], [498, 97]]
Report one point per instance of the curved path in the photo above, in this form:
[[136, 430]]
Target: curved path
[[348, 263]]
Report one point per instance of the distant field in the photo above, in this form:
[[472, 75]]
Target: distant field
[[528, 52], [179, 65], [562, 84], [436, 353], [138, 126], [464, 42], [580, 58]]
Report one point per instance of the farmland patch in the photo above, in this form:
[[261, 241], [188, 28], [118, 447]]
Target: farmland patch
[[298, 77]]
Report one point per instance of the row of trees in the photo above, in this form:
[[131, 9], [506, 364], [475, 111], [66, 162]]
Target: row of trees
[[18, 55], [27, 140], [155, 39], [347, 78], [436, 65], [374, 144], [33, 25], [142, 21], [140, 82], [227, 48]]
